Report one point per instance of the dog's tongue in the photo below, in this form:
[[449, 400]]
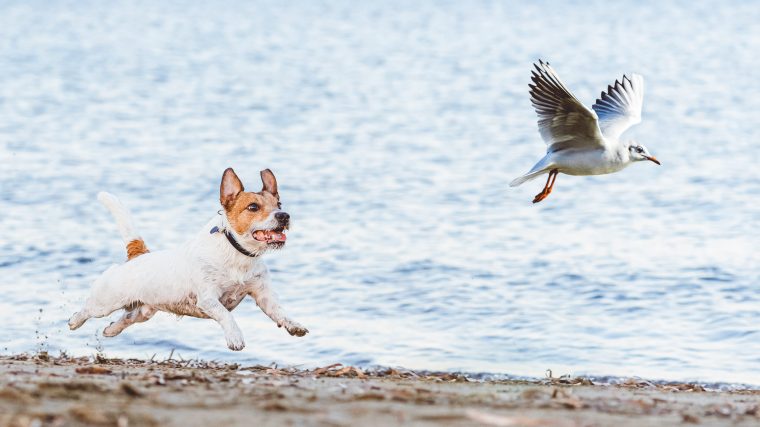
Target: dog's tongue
[[276, 236], [269, 236]]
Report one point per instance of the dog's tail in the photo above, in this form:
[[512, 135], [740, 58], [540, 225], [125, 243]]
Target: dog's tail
[[135, 244]]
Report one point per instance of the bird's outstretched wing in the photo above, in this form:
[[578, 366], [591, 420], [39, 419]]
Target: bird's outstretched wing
[[562, 120], [620, 107]]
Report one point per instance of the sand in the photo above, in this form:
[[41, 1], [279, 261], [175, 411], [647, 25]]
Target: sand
[[45, 391]]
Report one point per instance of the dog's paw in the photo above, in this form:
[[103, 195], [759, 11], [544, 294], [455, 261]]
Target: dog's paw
[[235, 341], [77, 320], [111, 330], [295, 328]]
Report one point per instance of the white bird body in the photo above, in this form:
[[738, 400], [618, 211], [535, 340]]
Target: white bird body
[[581, 140], [589, 162]]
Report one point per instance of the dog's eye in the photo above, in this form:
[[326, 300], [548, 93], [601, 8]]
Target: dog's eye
[[279, 205], [253, 207]]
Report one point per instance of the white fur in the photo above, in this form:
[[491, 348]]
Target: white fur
[[204, 277], [121, 215]]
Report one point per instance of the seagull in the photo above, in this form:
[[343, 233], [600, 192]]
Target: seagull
[[583, 141]]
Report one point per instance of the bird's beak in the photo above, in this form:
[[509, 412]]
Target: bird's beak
[[652, 158]]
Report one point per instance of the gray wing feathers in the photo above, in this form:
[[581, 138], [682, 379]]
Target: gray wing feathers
[[562, 120], [620, 107]]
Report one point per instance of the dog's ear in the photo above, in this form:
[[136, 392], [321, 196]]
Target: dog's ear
[[270, 182], [230, 188]]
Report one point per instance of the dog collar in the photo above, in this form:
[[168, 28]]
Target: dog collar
[[233, 242]]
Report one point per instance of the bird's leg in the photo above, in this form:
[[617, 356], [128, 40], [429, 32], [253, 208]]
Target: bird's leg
[[545, 192], [548, 187], [554, 178]]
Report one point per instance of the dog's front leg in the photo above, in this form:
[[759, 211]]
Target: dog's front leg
[[267, 301], [209, 304]]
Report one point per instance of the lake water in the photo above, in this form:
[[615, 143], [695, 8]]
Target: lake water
[[394, 131]]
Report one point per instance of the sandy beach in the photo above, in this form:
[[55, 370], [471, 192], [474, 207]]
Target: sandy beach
[[62, 391]]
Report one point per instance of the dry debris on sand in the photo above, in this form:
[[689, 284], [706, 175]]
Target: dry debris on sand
[[63, 391]]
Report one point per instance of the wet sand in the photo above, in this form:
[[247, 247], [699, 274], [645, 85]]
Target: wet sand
[[63, 391]]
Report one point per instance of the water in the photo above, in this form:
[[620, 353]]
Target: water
[[394, 131]]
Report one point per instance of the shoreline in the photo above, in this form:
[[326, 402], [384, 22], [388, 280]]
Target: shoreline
[[712, 384], [45, 390]]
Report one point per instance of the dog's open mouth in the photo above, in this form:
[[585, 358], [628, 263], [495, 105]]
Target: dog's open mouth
[[270, 236]]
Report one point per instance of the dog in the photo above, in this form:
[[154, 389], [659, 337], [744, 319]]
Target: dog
[[208, 276]]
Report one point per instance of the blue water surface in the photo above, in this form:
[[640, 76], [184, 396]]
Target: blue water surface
[[394, 129]]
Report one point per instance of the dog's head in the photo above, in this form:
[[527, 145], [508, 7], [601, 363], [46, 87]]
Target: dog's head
[[256, 218]]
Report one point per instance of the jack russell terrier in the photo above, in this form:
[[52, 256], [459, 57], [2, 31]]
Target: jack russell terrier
[[208, 276]]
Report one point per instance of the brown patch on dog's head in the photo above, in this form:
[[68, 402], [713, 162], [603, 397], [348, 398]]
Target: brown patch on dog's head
[[249, 212]]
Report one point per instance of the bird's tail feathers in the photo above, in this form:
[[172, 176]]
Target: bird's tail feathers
[[543, 166], [527, 177]]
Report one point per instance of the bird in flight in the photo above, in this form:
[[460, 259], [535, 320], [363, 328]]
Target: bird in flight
[[583, 141]]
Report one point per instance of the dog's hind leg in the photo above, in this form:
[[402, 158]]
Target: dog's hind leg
[[101, 302], [139, 314], [79, 318], [91, 310]]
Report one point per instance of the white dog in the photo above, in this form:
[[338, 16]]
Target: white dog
[[208, 276]]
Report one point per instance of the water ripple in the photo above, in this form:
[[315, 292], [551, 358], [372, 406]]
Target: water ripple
[[394, 131]]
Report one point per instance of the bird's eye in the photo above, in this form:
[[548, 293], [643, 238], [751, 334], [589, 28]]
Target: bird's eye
[[253, 207], [639, 150]]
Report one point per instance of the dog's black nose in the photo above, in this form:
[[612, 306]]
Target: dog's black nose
[[282, 216]]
